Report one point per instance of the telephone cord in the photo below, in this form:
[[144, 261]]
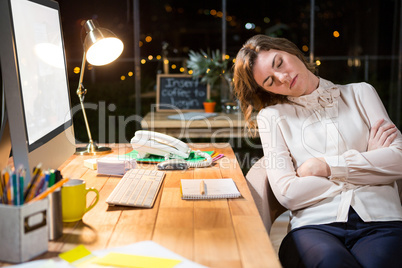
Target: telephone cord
[[206, 163]]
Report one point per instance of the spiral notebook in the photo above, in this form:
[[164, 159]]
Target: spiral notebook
[[209, 189]]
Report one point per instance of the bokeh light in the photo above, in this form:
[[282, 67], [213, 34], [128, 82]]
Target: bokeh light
[[336, 34]]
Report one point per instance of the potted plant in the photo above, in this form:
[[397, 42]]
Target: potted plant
[[210, 68], [209, 106]]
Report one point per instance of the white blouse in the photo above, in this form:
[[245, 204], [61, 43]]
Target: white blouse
[[333, 122]]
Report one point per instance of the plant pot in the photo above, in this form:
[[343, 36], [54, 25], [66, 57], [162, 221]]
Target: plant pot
[[209, 107]]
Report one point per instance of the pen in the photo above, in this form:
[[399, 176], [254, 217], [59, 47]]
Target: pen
[[52, 178], [40, 188], [49, 190], [16, 198], [45, 182], [58, 175], [218, 157], [202, 187], [21, 182]]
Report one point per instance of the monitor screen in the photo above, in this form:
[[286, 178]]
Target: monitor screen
[[41, 64], [37, 123]]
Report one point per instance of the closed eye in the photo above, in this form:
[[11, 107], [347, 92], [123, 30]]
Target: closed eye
[[269, 81], [277, 67], [272, 82], [280, 63]]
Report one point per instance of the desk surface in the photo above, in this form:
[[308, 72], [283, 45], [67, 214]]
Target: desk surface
[[214, 233], [220, 126]]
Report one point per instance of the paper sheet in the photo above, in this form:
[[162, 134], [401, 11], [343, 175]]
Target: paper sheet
[[135, 261], [144, 248], [75, 254]]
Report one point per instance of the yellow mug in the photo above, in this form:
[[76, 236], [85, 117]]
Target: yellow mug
[[74, 200]]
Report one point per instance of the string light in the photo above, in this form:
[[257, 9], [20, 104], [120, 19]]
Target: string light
[[336, 34], [148, 39]]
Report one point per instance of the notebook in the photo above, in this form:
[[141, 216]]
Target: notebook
[[212, 188]]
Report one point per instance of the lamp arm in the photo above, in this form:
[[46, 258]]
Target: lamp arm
[[81, 91]]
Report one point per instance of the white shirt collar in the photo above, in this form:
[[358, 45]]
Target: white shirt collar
[[323, 96]]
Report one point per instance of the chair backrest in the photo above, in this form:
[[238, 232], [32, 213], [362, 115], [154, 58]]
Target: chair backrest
[[265, 200]]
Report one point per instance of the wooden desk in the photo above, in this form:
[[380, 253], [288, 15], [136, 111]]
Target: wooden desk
[[214, 233], [220, 126]]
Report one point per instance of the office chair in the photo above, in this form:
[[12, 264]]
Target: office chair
[[265, 200]]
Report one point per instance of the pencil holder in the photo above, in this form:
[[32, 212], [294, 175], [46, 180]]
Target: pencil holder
[[23, 231]]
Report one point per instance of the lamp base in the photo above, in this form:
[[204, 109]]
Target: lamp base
[[92, 149]]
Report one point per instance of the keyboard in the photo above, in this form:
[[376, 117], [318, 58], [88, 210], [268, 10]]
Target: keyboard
[[137, 188]]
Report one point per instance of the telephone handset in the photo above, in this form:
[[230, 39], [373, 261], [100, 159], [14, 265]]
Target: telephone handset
[[149, 142]]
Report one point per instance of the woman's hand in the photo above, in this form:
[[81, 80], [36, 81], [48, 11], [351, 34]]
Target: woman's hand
[[381, 136], [314, 167]]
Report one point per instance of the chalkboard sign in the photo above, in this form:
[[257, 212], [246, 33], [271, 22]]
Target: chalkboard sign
[[180, 91]]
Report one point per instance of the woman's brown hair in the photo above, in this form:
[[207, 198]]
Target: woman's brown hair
[[249, 93]]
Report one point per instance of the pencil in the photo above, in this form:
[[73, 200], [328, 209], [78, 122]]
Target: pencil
[[8, 186], [36, 173], [1, 186], [49, 190], [34, 186], [202, 187]]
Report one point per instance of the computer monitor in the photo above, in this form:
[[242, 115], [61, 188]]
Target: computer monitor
[[35, 86]]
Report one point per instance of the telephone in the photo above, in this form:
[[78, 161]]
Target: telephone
[[149, 142]]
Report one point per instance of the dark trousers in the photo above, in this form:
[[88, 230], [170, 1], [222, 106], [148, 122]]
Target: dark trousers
[[352, 244]]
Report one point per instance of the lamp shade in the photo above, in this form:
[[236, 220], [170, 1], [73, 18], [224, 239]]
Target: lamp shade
[[101, 45]]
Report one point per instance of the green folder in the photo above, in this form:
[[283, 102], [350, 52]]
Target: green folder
[[156, 158]]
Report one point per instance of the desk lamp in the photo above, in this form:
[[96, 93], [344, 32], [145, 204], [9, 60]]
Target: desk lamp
[[101, 47]]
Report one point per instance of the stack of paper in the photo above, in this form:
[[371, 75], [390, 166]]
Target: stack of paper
[[91, 163], [114, 165]]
